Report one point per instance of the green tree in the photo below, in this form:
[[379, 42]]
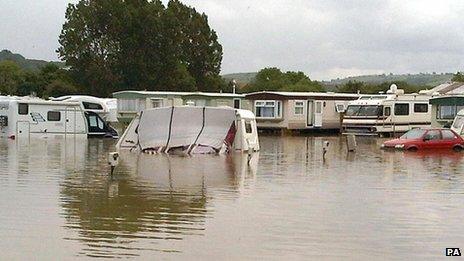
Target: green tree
[[198, 45], [58, 88], [139, 44], [458, 77], [11, 76]]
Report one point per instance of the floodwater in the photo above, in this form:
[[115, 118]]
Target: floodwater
[[58, 202]]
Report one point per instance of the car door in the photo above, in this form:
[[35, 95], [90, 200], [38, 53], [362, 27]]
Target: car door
[[432, 140]]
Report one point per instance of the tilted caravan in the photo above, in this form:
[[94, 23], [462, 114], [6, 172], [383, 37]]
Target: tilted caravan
[[190, 130], [33, 117], [386, 114], [299, 110]]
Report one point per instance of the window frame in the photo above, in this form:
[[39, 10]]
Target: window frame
[[401, 104], [90, 106], [276, 104], [421, 104], [20, 111], [51, 118], [298, 104]]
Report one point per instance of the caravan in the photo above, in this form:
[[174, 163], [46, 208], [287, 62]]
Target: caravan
[[191, 130], [34, 117], [106, 108], [385, 114], [299, 110]]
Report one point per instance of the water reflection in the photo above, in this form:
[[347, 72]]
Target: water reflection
[[150, 198], [292, 204]]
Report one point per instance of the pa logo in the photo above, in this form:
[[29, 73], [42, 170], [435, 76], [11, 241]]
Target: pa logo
[[453, 252]]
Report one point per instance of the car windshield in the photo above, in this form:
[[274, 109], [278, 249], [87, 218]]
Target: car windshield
[[364, 110], [413, 134]]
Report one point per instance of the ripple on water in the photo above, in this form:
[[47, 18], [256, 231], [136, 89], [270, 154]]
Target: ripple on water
[[289, 202]]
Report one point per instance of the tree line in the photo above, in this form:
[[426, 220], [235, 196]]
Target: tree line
[[49, 81]]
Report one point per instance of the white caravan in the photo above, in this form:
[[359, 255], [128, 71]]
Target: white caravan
[[191, 130], [33, 117], [387, 114], [458, 123], [105, 107]]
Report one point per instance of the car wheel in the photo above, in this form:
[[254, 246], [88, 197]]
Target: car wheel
[[457, 148], [412, 149]]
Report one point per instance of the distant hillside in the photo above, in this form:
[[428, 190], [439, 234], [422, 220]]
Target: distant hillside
[[241, 78], [423, 79], [26, 64]]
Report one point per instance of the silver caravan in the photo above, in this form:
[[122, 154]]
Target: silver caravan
[[191, 130], [387, 114], [33, 117]]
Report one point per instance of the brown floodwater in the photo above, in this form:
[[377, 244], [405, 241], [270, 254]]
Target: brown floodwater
[[58, 202]]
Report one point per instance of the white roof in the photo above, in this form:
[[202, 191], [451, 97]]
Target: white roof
[[245, 114], [305, 94], [208, 94]]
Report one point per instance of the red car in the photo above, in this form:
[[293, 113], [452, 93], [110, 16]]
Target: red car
[[419, 139]]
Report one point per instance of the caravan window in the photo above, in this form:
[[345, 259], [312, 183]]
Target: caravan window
[[53, 116], [92, 106], [402, 109], [95, 121], [23, 108], [156, 103], [131, 105], [421, 107], [268, 109], [364, 110], [248, 128], [299, 107], [446, 112]]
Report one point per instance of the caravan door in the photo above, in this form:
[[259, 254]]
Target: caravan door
[[309, 113], [23, 129], [318, 114], [70, 120]]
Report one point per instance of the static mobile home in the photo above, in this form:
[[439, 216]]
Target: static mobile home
[[299, 110], [445, 109], [387, 113], [132, 102]]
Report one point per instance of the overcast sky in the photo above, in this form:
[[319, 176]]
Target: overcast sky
[[325, 39]]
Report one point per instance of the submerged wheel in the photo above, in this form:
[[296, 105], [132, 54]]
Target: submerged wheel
[[412, 149], [458, 148]]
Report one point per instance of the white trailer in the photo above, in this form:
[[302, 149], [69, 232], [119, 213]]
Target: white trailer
[[33, 117]]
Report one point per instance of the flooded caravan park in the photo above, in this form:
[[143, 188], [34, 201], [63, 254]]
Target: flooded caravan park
[[58, 200]]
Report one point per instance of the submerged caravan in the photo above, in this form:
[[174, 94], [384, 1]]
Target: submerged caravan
[[191, 130], [26, 117]]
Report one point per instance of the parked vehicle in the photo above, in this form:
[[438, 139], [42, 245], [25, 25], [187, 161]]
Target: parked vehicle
[[421, 139], [385, 114], [22, 117], [106, 108]]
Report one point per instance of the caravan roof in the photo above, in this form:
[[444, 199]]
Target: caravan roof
[[301, 95]]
